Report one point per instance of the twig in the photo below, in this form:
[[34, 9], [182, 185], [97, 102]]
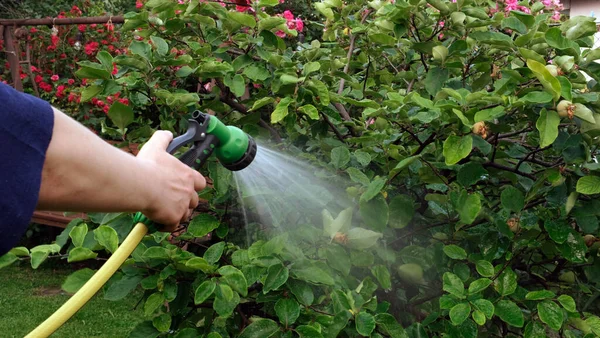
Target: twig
[[428, 141], [505, 168], [335, 130]]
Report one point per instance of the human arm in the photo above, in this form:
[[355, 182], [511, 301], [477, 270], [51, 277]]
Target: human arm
[[82, 172]]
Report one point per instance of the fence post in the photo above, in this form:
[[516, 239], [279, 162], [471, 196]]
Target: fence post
[[13, 57]]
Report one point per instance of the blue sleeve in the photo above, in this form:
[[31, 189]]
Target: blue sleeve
[[26, 124]]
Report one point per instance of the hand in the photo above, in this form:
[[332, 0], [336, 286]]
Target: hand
[[173, 185]]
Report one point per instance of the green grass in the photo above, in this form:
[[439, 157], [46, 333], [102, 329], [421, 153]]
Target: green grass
[[28, 297]]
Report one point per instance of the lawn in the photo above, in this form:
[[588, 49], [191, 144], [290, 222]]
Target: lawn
[[28, 297]]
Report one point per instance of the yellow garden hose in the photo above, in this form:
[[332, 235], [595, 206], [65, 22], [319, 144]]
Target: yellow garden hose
[[92, 286]]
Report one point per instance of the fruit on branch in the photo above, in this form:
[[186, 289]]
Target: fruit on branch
[[411, 273], [566, 109], [480, 129]]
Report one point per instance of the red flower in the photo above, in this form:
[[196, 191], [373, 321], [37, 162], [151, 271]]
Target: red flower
[[63, 56], [60, 91], [54, 78], [115, 70], [104, 42], [72, 97], [91, 48], [93, 25], [38, 79], [34, 69], [75, 10], [100, 103], [23, 76], [105, 109], [243, 5], [32, 30], [124, 101], [81, 28], [71, 81], [94, 100], [139, 4]]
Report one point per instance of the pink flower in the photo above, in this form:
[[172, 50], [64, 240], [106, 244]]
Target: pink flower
[[280, 34], [71, 82], [139, 4], [32, 30], [34, 69], [81, 28], [54, 78], [288, 15], [105, 109], [299, 25]]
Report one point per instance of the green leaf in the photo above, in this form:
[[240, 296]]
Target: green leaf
[[382, 274], [402, 211], [340, 156], [537, 97], [479, 285], [566, 88], [92, 70], [510, 313], [581, 29], [121, 288], [90, 92], [237, 85], [529, 54], [373, 189], [547, 125], [141, 48], [462, 117], [225, 301], [78, 234], [311, 67], [202, 225], [107, 237], [163, 322], [485, 268], [456, 148], [361, 239], [287, 79], [454, 285], [306, 331], [261, 103], [588, 185], [121, 115], [468, 207], [506, 284], [153, 302], [38, 257], [321, 90], [375, 213], [313, 274], [144, 330], [568, 303], [341, 223], [365, 324], [403, 164], [198, 263], [478, 317], [106, 60], [514, 24], [557, 230], [235, 279], [594, 324], [440, 53], [242, 18], [459, 313], [455, 252], [287, 310], [161, 45], [471, 173], [260, 328], [77, 279], [358, 176], [310, 110], [540, 294], [485, 306], [277, 275], [213, 254], [203, 291], [256, 73], [281, 111], [81, 254], [302, 291], [270, 23], [574, 248], [490, 114], [435, 79], [7, 259], [547, 80], [550, 314], [512, 199], [555, 39], [387, 324]]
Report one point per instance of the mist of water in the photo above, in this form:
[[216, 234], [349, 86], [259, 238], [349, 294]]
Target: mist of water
[[285, 192]]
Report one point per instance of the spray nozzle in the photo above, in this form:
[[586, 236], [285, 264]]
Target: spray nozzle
[[233, 148]]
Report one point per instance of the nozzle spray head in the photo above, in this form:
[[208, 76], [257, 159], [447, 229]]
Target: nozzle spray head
[[233, 148]]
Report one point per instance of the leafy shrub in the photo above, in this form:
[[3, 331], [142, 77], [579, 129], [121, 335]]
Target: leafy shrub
[[469, 133]]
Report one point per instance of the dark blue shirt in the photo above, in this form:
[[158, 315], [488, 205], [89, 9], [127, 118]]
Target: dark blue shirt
[[26, 124]]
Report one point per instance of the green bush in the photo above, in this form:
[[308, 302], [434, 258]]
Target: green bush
[[474, 182]]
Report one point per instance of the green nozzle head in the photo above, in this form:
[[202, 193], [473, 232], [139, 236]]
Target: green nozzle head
[[236, 149]]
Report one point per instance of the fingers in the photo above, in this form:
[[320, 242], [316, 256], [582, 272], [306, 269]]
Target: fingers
[[159, 140], [199, 181], [194, 201]]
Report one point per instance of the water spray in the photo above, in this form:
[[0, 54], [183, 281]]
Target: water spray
[[234, 149]]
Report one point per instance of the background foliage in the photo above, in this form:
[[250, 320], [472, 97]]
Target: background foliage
[[470, 135]]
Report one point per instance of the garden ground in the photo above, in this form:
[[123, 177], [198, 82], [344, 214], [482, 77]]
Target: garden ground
[[27, 297]]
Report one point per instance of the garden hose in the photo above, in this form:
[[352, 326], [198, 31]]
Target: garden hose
[[234, 149]]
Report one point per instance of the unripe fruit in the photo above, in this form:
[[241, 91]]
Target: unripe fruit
[[480, 129], [352, 191], [566, 109], [440, 236], [555, 71], [411, 273], [381, 124], [589, 240], [513, 224], [567, 277]]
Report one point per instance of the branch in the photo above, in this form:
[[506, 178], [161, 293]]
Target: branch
[[228, 100], [505, 168], [335, 130], [428, 141]]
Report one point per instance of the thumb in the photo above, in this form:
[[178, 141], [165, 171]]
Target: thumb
[[159, 140]]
